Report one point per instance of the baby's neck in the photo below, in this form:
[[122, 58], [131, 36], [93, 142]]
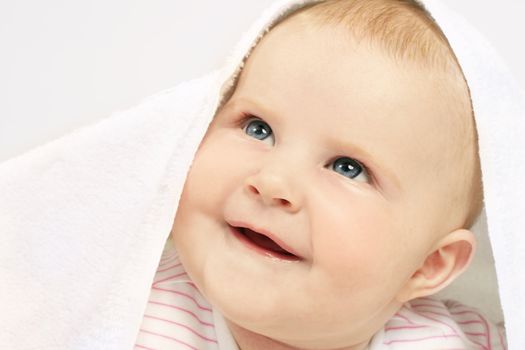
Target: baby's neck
[[247, 340]]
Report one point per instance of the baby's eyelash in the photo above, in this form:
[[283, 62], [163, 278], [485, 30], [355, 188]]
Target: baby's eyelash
[[244, 118], [368, 171]]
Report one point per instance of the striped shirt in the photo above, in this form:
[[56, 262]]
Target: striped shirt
[[429, 323], [178, 317]]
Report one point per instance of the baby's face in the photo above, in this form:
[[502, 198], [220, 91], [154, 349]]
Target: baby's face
[[335, 150]]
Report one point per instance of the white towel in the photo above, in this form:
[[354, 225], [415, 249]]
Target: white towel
[[84, 219]]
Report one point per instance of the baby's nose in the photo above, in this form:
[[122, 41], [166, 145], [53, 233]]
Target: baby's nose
[[272, 190]]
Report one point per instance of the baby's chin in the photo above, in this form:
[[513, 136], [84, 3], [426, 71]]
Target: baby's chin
[[298, 341], [288, 315], [246, 310], [282, 329]]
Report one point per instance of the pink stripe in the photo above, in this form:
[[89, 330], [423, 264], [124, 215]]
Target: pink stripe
[[191, 284], [420, 339], [397, 314], [183, 326], [464, 312], [184, 295], [430, 300], [469, 322], [441, 322], [475, 342], [429, 305], [171, 338], [476, 334], [143, 347], [170, 277], [168, 261], [483, 321], [489, 341], [167, 256], [430, 318], [184, 310], [452, 303], [171, 267], [438, 321], [434, 313], [404, 327], [461, 306]]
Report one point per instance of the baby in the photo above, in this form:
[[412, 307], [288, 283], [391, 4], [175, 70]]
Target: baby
[[337, 184]]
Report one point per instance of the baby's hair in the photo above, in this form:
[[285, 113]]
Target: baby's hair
[[406, 31]]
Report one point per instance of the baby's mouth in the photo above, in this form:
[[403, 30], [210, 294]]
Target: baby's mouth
[[263, 244]]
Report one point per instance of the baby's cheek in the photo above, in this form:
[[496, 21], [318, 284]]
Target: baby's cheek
[[213, 174], [355, 246]]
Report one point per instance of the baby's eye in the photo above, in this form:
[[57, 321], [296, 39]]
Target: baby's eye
[[351, 168], [258, 129]]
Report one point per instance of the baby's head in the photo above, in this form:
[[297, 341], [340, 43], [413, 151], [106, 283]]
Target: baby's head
[[349, 139]]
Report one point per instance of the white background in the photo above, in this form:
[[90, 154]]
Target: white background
[[65, 64]]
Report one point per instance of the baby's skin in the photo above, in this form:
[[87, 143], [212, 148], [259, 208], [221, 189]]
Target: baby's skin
[[335, 151]]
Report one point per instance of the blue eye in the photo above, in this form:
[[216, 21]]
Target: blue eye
[[349, 167], [258, 129]]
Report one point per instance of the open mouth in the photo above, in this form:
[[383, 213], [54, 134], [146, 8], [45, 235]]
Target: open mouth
[[262, 244]]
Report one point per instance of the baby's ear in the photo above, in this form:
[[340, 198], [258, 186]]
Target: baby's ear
[[449, 258]]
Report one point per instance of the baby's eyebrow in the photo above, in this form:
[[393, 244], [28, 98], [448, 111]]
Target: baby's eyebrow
[[243, 102]]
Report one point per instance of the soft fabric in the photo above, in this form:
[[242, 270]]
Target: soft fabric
[[178, 316], [499, 107], [84, 218], [430, 323]]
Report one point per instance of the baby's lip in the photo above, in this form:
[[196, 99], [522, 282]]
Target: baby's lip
[[267, 233]]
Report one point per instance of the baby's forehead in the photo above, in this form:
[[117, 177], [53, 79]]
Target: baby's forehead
[[407, 115], [407, 41], [291, 53], [378, 103], [401, 29]]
